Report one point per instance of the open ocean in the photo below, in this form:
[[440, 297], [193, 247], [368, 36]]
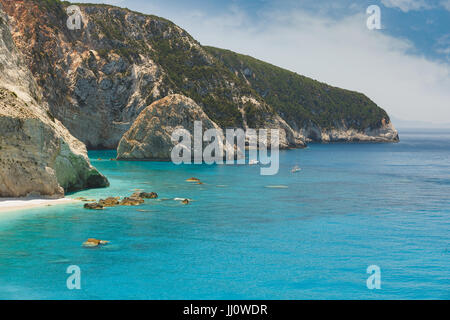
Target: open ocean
[[312, 237]]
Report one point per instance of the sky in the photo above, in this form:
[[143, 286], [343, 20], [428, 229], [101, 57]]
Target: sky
[[404, 66]]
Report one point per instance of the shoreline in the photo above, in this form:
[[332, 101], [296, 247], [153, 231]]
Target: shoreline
[[18, 204]]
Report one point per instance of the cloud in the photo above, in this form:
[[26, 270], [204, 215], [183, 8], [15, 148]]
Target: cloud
[[443, 46], [406, 5], [446, 4]]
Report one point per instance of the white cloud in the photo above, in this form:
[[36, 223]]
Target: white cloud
[[406, 5], [443, 46], [444, 51], [446, 4]]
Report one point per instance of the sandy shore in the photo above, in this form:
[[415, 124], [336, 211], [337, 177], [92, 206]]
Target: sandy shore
[[9, 204]]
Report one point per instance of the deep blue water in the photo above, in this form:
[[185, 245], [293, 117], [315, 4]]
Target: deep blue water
[[352, 205]]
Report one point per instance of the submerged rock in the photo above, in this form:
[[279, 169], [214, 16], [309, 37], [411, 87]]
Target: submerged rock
[[131, 201], [94, 243], [277, 187], [93, 206], [110, 202], [193, 180], [145, 195]]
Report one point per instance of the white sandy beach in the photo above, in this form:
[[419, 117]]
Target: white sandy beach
[[15, 204]]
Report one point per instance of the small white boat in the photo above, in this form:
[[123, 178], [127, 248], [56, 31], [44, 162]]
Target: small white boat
[[296, 169]]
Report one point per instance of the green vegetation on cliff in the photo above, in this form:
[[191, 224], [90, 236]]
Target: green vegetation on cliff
[[115, 43], [299, 99]]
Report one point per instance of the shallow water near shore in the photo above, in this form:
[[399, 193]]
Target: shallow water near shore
[[351, 206]]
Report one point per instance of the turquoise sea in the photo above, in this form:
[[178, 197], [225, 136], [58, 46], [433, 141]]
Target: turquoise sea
[[312, 237]]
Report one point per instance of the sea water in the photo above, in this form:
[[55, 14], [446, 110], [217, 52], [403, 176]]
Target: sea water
[[305, 235]]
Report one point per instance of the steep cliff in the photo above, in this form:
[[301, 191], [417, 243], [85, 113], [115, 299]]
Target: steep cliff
[[38, 155], [98, 79], [150, 137]]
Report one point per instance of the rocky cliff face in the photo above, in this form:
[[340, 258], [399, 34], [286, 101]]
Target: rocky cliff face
[[385, 133], [38, 156], [97, 80], [315, 111], [150, 137]]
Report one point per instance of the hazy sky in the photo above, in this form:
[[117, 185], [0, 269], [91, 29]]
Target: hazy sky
[[404, 67]]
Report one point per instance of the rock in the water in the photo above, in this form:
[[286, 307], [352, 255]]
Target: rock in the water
[[93, 206], [109, 202], [150, 136], [90, 243], [185, 201], [195, 180], [131, 201], [38, 155], [144, 195]]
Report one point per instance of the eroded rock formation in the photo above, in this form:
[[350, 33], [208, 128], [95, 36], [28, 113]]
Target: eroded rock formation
[[38, 155], [150, 137]]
